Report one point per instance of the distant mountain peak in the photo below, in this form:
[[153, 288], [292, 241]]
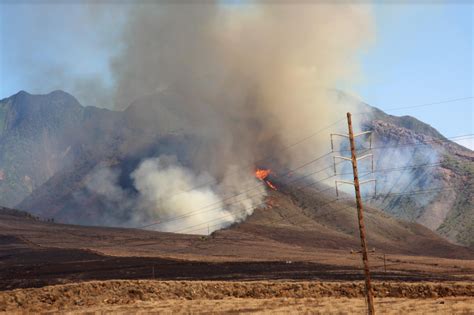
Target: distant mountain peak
[[21, 93], [54, 95], [60, 93]]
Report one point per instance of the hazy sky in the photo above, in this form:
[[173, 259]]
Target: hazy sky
[[422, 54]]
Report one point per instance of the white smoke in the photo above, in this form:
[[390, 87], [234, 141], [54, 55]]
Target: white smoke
[[104, 181], [403, 167], [168, 192], [174, 197]]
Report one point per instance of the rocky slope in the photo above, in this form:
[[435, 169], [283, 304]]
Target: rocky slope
[[444, 186]]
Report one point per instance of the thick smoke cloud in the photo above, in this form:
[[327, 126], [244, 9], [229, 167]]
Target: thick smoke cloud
[[172, 195], [245, 80]]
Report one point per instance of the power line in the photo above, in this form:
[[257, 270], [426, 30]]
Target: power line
[[438, 189], [396, 182], [453, 100], [313, 183], [411, 144], [198, 211], [237, 201], [305, 139], [229, 214], [244, 199], [339, 199], [272, 157], [382, 170], [430, 104], [221, 224], [297, 143], [386, 170], [456, 200], [310, 184], [401, 168], [261, 184], [311, 136]]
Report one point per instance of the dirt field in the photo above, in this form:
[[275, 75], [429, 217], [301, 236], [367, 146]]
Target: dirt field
[[245, 297]]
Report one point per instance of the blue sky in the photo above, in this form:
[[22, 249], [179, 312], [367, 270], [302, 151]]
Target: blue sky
[[422, 53]]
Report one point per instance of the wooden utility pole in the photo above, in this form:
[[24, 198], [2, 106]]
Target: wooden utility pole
[[360, 215]]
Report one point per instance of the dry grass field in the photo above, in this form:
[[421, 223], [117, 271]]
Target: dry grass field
[[261, 297]]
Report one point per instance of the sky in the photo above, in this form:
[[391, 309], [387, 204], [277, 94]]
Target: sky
[[422, 53]]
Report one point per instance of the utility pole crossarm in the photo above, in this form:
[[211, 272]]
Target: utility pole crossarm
[[339, 181], [365, 156], [362, 133], [342, 157], [350, 159], [347, 136]]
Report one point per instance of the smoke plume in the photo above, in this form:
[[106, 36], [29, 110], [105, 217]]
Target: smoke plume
[[245, 80]]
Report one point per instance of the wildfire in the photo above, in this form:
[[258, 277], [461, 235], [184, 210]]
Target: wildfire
[[262, 174]]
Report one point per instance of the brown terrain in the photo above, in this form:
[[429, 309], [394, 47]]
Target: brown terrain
[[122, 296], [303, 243]]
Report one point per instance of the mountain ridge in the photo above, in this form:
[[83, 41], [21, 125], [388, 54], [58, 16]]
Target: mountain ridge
[[114, 138]]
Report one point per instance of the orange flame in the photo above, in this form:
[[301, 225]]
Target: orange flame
[[262, 174]]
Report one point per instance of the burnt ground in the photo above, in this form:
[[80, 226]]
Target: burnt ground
[[41, 267], [296, 237]]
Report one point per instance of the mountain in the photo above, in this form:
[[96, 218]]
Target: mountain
[[50, 144], [445, 203], [87, 139], [41, 135]]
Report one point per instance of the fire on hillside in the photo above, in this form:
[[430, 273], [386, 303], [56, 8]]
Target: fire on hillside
[[262, 174]]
